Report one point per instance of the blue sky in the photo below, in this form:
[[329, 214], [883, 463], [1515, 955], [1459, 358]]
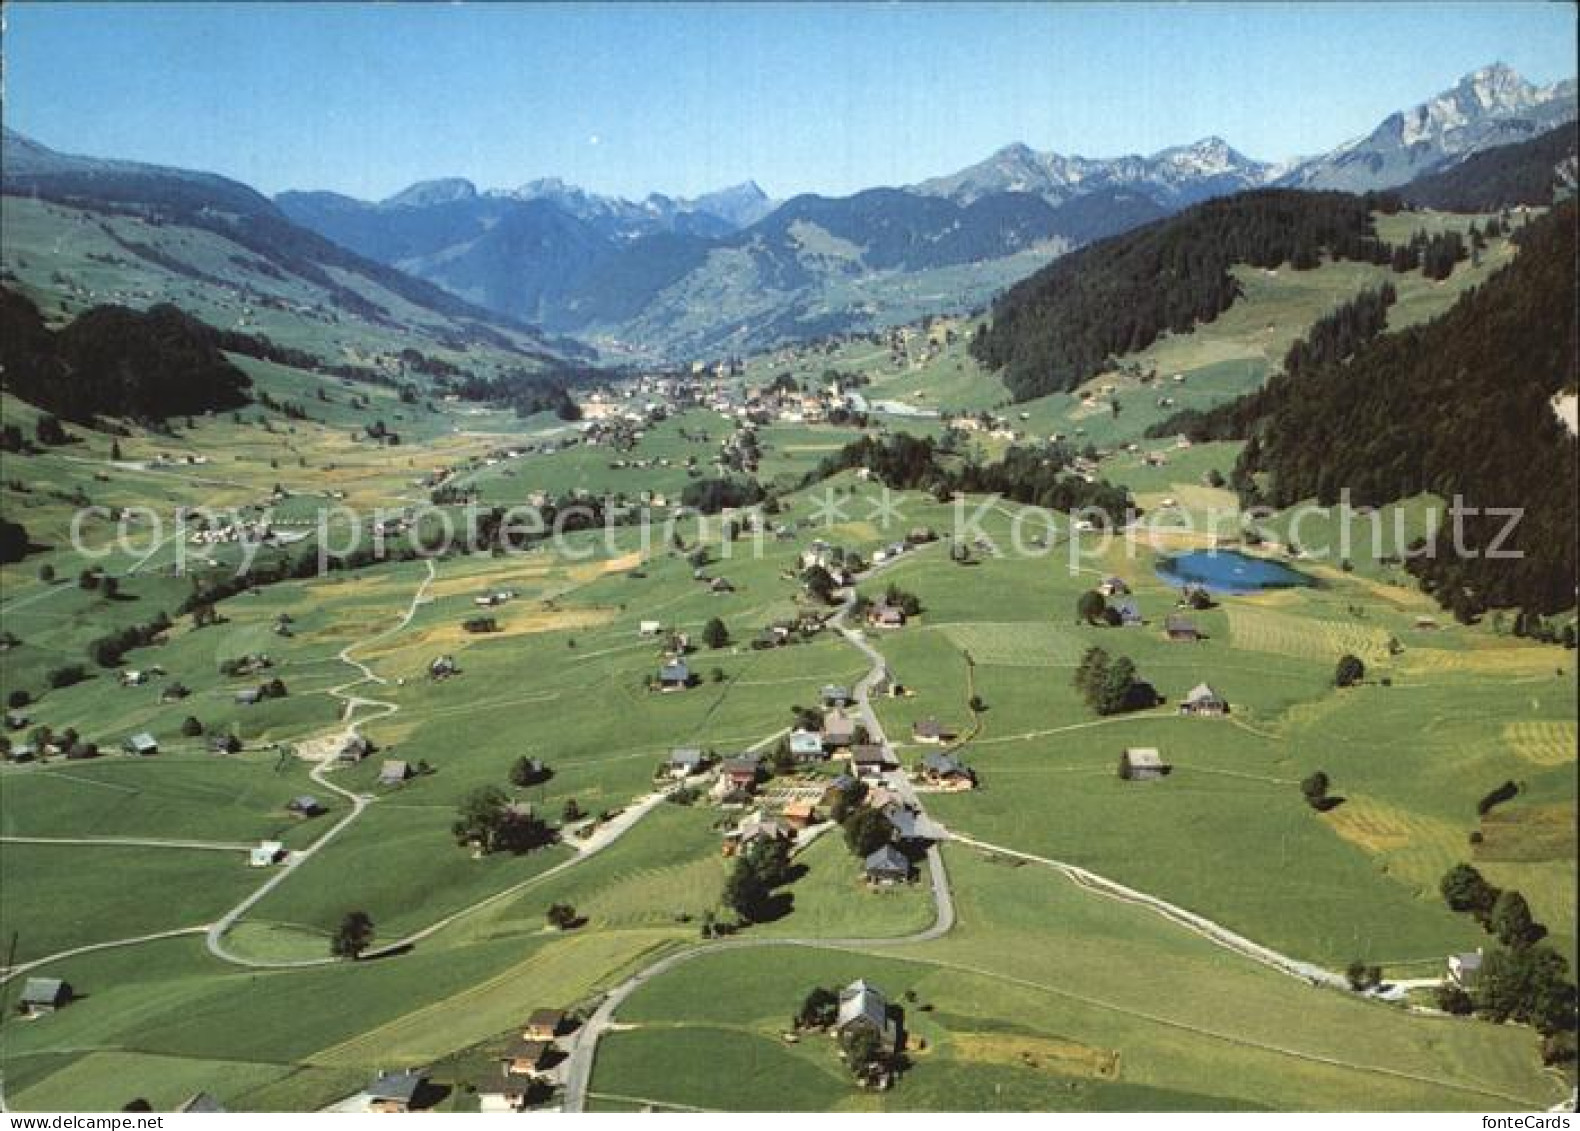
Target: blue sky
[[681, 98]]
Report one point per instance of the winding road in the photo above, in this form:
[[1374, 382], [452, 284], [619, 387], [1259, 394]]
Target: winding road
[[214, 933], [584, 1045]]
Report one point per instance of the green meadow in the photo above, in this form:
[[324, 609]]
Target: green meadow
[[1045, 996]]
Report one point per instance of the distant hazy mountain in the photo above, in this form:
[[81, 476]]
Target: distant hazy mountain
[[268, 250], [1489, 107], [1172, 178], [669, 275]]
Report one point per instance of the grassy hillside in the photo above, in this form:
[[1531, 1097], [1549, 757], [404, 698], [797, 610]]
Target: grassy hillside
[[1045, 996]]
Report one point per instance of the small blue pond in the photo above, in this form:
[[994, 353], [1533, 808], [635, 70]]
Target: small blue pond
[[1228, 571]]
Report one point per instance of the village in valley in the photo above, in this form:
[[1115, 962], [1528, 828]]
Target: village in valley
[[993, 702]]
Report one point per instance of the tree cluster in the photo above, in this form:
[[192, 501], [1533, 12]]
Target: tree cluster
[[760, 868], [1111, 686], [113, 361], [488, 820]]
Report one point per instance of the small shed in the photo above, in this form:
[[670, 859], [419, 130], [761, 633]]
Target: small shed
[[394, 771], [353, 749], [833, 695], [1143, 763], [305, 806], [44, 995], [1178, 628], [142, 744], [674, 676], [266, 855]]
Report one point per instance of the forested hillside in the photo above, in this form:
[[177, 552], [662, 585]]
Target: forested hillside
[[1061, 326], [1458, 406], [112, 361]]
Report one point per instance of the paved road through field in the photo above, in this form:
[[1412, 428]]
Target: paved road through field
[[584, 1045]]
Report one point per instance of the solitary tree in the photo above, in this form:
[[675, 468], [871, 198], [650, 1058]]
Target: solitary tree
[[561, 916], [487, 819], [819, 583], [1315, 789], [714, 634], [744, 890], [1119, 687], [1090, 606], [818, 1009], [1349, 671], [1363, 977], [866, 831], [353, 937], [525, 771]]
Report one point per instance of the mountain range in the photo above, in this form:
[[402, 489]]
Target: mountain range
[[732, 271]]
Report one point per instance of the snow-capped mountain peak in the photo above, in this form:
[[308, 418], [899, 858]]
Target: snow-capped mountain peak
[[1493, 105]]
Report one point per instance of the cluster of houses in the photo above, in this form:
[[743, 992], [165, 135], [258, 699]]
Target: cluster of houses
[[524, 1073], [526, 1064], [783, 814], [239, 530], [987, 424], [789, 404]]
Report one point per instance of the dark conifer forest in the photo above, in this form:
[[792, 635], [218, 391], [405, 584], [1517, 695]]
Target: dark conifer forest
[[112, 361], [1460, 405], [1062, 325]]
